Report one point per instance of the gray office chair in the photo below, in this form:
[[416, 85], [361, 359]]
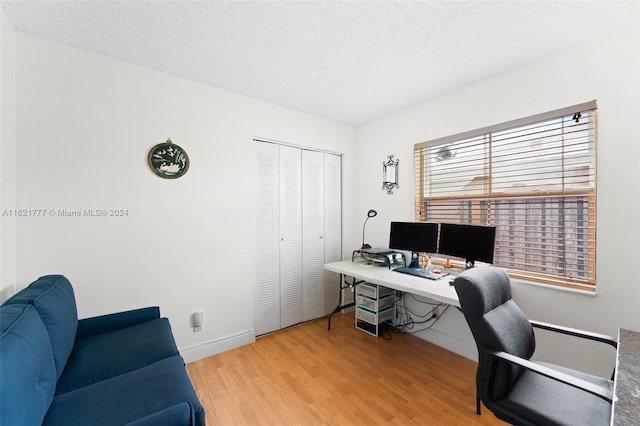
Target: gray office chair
[[515, 389]]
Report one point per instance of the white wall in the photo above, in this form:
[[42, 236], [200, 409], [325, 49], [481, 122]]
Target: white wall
[[85, 123], [606, 70], [7, 157]]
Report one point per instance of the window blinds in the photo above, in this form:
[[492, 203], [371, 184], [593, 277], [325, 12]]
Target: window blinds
[[532, 178]]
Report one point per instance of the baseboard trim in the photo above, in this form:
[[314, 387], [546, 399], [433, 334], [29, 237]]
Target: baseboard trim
[[451, 343], [206, 349]]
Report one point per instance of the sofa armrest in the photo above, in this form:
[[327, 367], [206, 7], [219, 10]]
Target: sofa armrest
[[112, 322], [178, 415]]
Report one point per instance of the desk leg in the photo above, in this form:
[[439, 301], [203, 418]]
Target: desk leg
[[340, 305]]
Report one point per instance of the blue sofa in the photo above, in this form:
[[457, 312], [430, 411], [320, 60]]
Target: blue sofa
[[117, 369]]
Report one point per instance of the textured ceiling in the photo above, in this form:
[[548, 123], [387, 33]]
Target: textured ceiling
[[349, 61]]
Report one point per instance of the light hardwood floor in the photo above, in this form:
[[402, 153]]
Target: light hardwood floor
[[306, 375]]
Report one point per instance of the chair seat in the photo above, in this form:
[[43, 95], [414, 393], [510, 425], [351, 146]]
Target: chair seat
[[535, 396]]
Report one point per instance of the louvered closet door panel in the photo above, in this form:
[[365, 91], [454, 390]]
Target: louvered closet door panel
[[290, 236], [267, 287], [312, 235], [332, 227]]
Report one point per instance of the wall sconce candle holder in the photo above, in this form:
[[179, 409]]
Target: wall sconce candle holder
[[390, 174]]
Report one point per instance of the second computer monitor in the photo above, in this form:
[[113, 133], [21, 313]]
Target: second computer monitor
[[470, 242], [414, 236]]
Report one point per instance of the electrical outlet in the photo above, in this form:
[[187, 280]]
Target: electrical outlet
[[197, 319]]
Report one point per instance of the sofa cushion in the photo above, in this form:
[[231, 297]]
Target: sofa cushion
[[53, 298], [128, 397], [26, 366], [106, 355], [178, 415]]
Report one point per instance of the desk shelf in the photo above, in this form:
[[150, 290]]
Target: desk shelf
[[374, 305], [388, 259], [354, 273]]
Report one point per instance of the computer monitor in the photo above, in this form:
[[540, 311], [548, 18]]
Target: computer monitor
[[470, 242], [414, 236]]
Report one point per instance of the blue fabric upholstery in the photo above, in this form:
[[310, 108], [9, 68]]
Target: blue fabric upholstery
[[111, 322], [106, 355], [54, 299], [126, 398], [27, 370], [113, 369], [177, 415]]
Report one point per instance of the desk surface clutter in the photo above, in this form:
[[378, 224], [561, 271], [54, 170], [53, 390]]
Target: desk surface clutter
[[438, 290]]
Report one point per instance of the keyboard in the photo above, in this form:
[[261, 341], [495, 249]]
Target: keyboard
[[420, 273]]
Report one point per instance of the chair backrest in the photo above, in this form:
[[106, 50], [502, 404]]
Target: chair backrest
[[496, 323]]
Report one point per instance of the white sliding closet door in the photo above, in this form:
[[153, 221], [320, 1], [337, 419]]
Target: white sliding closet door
[[290, 236], [313, 234], [298, 229], [332, 228], [266, 307]]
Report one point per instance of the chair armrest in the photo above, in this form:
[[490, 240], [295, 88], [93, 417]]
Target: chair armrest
[[112, 322], [602, 338], [584, 385]]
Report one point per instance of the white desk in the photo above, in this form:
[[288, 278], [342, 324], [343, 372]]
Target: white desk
[[625, 409], [438, 290]]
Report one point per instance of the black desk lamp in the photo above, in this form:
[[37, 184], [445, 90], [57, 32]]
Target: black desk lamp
[[371, 213]]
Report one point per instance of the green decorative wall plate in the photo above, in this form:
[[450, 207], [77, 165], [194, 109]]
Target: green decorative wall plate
[[168, 160]]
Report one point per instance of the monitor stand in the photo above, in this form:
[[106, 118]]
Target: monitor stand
[[415, 260]]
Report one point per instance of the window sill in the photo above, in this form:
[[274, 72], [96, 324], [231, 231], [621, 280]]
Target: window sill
[[458, 266], [591, 293]]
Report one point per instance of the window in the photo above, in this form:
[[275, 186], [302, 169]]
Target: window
[[533, 178]]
